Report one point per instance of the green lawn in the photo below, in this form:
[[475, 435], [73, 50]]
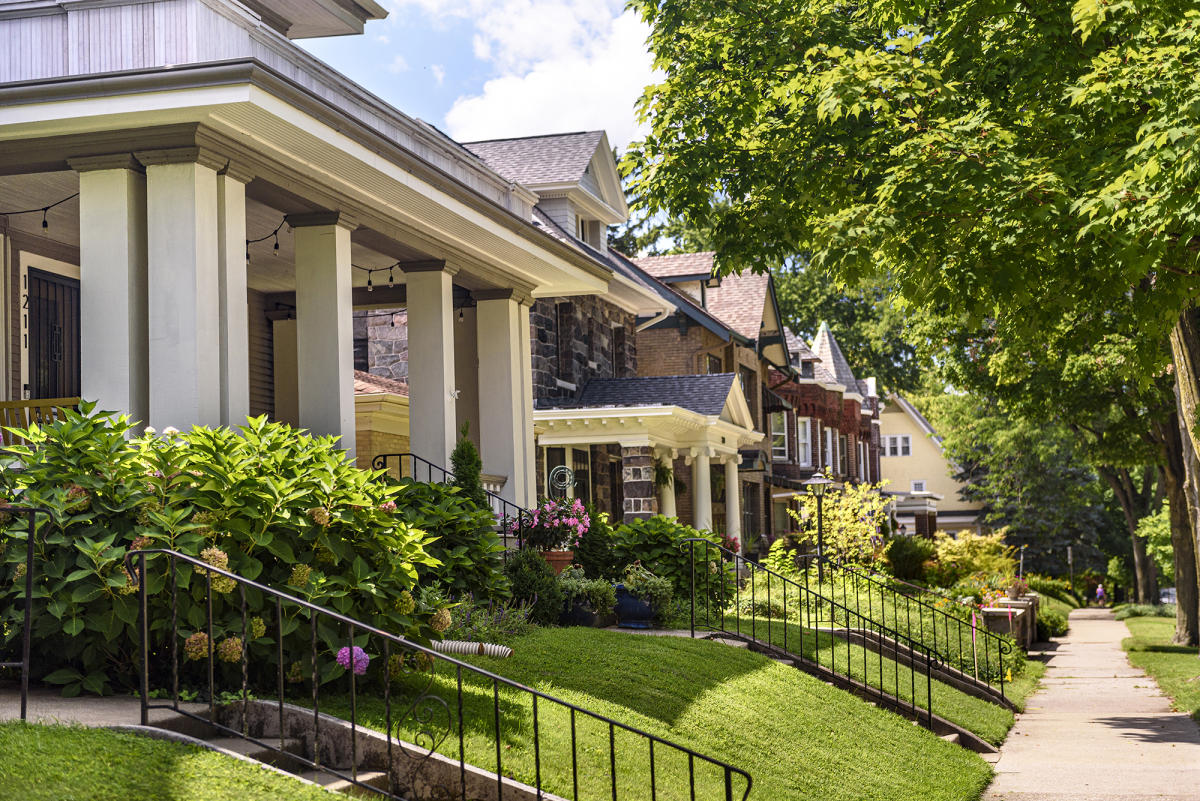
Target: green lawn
[[1175, 667], [798, 737], [65, 763], [988, 720], [1055, 605]]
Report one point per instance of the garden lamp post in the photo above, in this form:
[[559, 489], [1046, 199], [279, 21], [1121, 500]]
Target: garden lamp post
[[816, 487]]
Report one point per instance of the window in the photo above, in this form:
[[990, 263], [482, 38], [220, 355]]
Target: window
[[843, 456], [918, 485], [562, 334], [746, 376], [897, 445], [591, 342], [828, 460], [714, 365], [862, 461], [779, 436], [803, 441]]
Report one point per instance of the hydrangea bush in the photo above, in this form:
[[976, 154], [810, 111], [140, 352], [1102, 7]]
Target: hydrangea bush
[[266, 502], [558, 524]]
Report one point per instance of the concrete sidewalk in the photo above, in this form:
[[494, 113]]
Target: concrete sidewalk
[[1098, 729]]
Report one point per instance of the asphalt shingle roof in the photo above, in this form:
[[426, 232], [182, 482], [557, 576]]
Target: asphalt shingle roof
[[740, 301], [678, 264], [547, 159], [704, 394], [797, 347], [832, 358], [368, 384]]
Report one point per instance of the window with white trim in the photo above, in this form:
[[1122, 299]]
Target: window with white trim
[[779, 436], [897, 445], [804, 441], [862, 461], [830, 455], [918, 485]]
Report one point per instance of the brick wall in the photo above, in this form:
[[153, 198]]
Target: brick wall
[[678, 351], [591, 349]]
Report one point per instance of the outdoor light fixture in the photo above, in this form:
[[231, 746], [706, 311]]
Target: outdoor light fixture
[[816, 487]]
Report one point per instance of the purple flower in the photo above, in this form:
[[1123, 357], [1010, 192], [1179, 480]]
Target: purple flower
[[361, 660]]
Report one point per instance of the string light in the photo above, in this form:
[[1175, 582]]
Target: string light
[[273, 235], [43, 210]]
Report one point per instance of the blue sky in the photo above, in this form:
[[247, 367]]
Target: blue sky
[[481, 69]]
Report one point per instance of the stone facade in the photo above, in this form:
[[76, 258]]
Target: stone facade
[[637, 473], [381, 338], [576, 339]]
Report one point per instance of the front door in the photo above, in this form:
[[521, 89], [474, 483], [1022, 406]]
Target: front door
[[52, 303]]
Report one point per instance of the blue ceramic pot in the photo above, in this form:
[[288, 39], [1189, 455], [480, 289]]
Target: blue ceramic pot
[[633, 613]]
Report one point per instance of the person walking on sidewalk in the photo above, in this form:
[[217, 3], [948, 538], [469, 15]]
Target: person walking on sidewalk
[[1100, 597]]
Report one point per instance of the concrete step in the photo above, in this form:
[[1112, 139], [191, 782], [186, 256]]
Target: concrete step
[[374, 778], [268, 756], [952, 738]]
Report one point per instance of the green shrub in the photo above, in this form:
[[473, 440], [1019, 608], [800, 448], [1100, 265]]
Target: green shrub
[[906, 556], [655, 590], [466, 543], [782, 557], [966, 553], [494, 621], [1059, 589], [467, 468], [597, 594], [270, 503], [979, 588], [533, 583], [594, 553], [1050, 623], [1145, 610], [658, 544]]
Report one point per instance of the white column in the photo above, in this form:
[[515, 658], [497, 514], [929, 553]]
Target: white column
[[234, 355], [701, 490], [503, 387], [666, 493], [431, 395], [181, 237], [324, 325], [530, 499], [733, 498], [114, 369]]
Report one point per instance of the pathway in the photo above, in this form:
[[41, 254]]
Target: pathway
[[1098, 729]]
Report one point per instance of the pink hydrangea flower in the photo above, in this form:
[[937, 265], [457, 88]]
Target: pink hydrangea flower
[[360, 658]]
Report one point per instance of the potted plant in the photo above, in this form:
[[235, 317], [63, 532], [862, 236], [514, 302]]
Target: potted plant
[[641, 597], [555, 528], [1017, 588], [586, 602]]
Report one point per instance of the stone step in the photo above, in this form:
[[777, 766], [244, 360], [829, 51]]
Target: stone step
[[268, 756], [952, 738], [373, 778]]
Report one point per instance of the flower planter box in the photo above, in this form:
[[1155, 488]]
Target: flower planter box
[[559, 560], [633, 613]]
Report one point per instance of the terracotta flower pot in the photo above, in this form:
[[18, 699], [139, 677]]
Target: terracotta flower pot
[[559, 560]]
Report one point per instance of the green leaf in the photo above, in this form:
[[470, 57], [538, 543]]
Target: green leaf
[[63, 676]]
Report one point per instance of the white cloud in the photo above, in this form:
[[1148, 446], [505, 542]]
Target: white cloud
[[399, 64], [439, 73], [558, 65]]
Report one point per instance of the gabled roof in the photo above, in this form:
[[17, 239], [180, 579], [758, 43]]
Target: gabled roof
[[703, 394], [677, 265], [917, 418], [367, 384], [741, 301], [679, 300], [832, 358], [797, 347], [551, 158]]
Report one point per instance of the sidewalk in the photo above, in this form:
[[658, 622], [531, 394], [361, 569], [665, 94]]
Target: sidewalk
[[1098, 729]]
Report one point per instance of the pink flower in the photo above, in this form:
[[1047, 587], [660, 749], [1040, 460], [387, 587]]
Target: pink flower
[[361, 660], [387, 506]]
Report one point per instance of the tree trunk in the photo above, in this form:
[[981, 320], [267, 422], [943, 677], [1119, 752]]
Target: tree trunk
[[1187, 608], [1185, 353], [1134, 506]]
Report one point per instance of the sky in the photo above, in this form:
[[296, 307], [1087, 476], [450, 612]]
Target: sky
[[488, 69]]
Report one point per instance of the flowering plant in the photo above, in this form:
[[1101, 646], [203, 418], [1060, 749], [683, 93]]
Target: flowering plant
[[358, 657], [558, 524]]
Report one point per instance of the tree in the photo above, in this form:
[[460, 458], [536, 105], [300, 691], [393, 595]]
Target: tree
[[1005, 164], [467, 468]]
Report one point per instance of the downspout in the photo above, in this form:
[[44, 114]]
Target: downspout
[[654, 320]]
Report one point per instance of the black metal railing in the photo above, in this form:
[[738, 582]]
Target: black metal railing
[[666, 768], [29, 513], [951, 629], [787, 616], [512, 520]]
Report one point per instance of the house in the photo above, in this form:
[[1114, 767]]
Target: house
[[720, 325], [919, 473], [831, 425], [189, 221]]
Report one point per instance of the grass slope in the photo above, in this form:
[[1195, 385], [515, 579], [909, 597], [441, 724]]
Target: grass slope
[[799, 738], [66, 763], [989, 721], [1174, 667]]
